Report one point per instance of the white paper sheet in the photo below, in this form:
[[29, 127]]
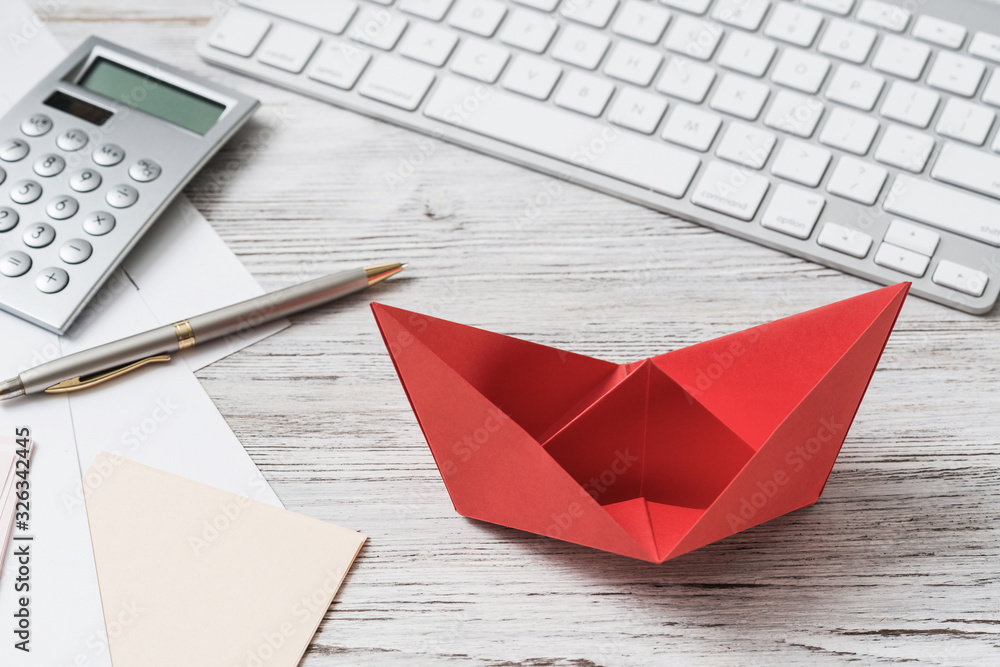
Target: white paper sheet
[[160, 416]]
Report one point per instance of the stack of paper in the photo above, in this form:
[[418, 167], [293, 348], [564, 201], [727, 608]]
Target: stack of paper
[[15, 456]]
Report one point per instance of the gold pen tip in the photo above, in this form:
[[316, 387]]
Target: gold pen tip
[[377, 274]]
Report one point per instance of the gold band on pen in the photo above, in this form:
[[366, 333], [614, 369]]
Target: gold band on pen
[[185, 334]]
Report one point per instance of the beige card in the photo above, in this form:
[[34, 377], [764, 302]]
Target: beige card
[[192, 575]]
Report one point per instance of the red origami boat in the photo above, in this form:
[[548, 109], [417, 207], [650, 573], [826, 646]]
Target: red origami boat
[[649, 459]]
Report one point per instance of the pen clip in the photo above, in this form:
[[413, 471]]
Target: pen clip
[[84, 381]]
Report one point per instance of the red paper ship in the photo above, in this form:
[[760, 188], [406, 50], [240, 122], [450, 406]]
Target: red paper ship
[[650, 459]]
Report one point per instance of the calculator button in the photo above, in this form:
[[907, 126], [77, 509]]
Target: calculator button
[[72, 140], [25, 192], [144, 171], [122, 196], [15, 264], [8, 219], [13, 150], [109, 155], [49, 165], [39, 235], [85, 180], [52, 280], [62, 207], [36, 125], [98, 224], [75, 251]]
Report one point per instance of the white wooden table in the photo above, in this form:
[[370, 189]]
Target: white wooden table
[[898, 561]]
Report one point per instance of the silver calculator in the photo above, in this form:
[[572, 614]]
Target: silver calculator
[[89, 158]]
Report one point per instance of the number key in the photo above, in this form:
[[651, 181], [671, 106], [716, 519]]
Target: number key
[[85, 180], [49, 165], [8, 219], [62, 207], [25, 192], [13, 150], [39, 235]]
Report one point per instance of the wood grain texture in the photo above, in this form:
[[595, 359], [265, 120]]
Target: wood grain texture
[[897, 562]]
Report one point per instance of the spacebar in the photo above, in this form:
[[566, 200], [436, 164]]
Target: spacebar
[[946, 208], [563, 135]]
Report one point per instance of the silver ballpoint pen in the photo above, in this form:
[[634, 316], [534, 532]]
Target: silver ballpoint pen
[[105, 362]]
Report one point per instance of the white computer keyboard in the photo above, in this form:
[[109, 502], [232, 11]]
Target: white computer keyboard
[[854, 134]]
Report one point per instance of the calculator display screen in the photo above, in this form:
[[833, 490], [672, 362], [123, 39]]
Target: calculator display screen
[[155, 97]]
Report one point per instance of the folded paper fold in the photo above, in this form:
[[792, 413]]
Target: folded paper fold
[[649, 459]]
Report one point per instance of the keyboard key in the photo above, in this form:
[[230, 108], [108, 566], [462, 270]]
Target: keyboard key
[[85, 180], [8, 219], [39, 235], [240, 32], [693, 37], [566, 136], [528, 30], [943, 33], [966, 122], [968, 168], [480, 60], [904, 148], [641, 21], [740, 96], [848, 41], [855, 87], [801, 162], [844, 239], [956, 74], [288, 47], [25, 192], [937, 205], [428, 44], [122, 196], [794, 113], [985, 46], [686, 79], [793, 211], [633, 63], [637, 110], [746, 145], [532, 76], [883, 15], [793, 24], [51, 280], [992, 93], [691, 127], [746, 53], [857, 180], [76, 251], [15, 263], [746, 14], [842, 7], [584, 93], [960, 278], [378, 27], [13, 150], [62, 208], [902, 260], [912, 237], [396, 82], [99, 223], [339, 67], [693, 6], [801, 70], [480, 17], [36, 125], [849, 131], [903, 57], [594, 13], [730, 190], [329, 15], [910, 104], [580, 46], [428, 9], [543, 5]]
